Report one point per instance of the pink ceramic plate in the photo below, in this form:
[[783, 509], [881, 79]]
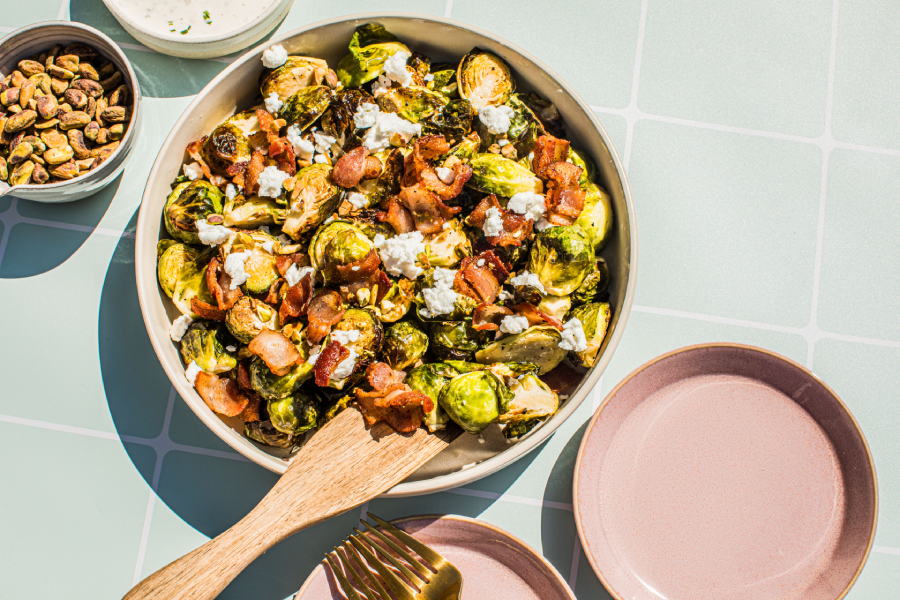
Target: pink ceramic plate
[[725, 472], [494, 564]]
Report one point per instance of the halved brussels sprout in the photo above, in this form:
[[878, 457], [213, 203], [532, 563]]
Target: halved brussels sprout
[[370, 46], [247, 121], [593, 285], [338, 119], [454, 122], [371, 335], [306, 105], [455, 340], [204, 343], [295, 414], [430, 380], [532, 403], [252, 212], [474, 400], [388, 183], [596, 218], [191, 283], [594, 319], [496, 174], [404, 344], [546, 112], [561, 257], [397, 301], [247, 318], [579, 158], [226, 145], [449, 246], [463, 307], [413, 103], [314, 199], [260, 266], [555, 306], [538, 345], [274, 387], [338, 243], [467, 148], [330, 406], [524, 128], [188, 203], [170, 263], [265, 433], [368, 222], [296, 73], [484, 79], [444, 79]]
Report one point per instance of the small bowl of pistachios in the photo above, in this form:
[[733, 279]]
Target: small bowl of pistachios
[[69, 111]]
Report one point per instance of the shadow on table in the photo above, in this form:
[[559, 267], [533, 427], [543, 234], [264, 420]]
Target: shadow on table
[[55, 234]]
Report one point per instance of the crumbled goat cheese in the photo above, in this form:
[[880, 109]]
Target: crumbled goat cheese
[[493, 222], [395, 69], [399, 253], [381, 86], [513, 324], [504, 295], [358, 200], [446, 175], [192, 371], [345, 367], [495, 118], [543, 224], [273, 103], [345, 337], [388, 125], [429, 77], [321, 159], [502, 142], [193, 171], [440, 299], [528, 278], [212, 235], [529, 204], [234, 266], [269, 246], [230, 191], [179, 327], [573, 336], [304, 149], [231, 348], [365, 115], [323, 142], [285, 240], [274, 57], [480, 262], [270, 181], [294, 274]]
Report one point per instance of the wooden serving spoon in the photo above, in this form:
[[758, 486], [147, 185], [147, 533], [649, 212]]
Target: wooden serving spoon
[[342, 466]]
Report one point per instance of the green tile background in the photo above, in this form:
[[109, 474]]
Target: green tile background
[[757, 223]]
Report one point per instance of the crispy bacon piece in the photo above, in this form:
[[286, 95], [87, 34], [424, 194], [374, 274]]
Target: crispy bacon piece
[[267, 122], [548, 150], [487, 317], [251, 176], [418, 169], [361, 268], [373, 168], [221, 394], [251, 411], [277, 351], [243, 376], [207, 311], [565, 198], [282, 151], [378, 282], [236, 168], [476, 281], [283, 262], [333, 355], [516, 228], [296, 300], [193, 149], [351, 167], [324, 310], [429, 213], [274, 295], [392, 400], [219, 284], [536, 316], [380, 375], [562, 378], [218, 181], [398, 217], [497, 265]]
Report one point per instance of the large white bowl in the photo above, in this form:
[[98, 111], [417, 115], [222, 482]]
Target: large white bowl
[[466, 459]]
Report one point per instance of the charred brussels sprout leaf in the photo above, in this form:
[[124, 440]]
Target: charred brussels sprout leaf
[[314, 199], [474, 400], [413, 103], [579, 158], [170, 263], [449, 246], [538, 345], [247, 318], [295, 414], [188, 203], [596, 219], [467, 148], [454, 122], [296, 73], [594, 319], [430, 380], [561, 257], [546, 112], [404, 344], [455, 340], [191, 283], [532, 403], [370, 46], [556, 306], [265, 433], [338, 119], [444, 80], [484, 79], [306, 105], [249, 213], [204, 343], [225, 146], [271, 386], [593, 285], [496, 174]]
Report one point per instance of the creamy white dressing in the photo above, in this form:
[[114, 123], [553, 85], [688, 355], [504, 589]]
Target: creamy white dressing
[[193, 18]]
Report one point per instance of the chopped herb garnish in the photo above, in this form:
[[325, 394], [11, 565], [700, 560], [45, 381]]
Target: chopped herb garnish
[[186, 30], [170, 23], [172, 30], [206, 17]]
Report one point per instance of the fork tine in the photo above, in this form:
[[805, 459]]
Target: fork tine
[[356, 576], [355, 556], [398, 587], [431, 557], [406, 555], [416, 579], [339, 575]]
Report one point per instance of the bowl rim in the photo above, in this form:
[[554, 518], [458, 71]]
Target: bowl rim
[[487, 466], [705, 346], [124, 143], [276, 6]]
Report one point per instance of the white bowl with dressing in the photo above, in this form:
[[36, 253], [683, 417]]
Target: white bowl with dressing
[[197, 29]]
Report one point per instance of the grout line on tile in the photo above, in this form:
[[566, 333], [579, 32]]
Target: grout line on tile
[[598, 398], [576, 555], [63, 14], [448, 9], [462, 491], [632, 113], [886, 550], [668, 312], [105, 435]]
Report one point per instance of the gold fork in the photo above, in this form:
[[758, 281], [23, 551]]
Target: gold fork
[[442, 581]]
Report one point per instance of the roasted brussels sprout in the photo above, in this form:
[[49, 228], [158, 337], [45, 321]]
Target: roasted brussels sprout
[[524, 126], [546, 112], [532, 402], [474, 400], [579, 158], [274, 387], [338, 119], [204, 343], [596, 218], [449, 246], [593, 285], [455, 340], [463, 307], [296, 73], [388, 183], [561, 257], [188, 203], [170, 263], [314, 199], [226, 145], [371, 335], [191, 283], [368, 222], [337, 244], [247, 318], [294, 414], [430, 380], [330, 405], [594, 319], [260, 267], [413, 103], [454, 121], [265, 433], [397, 301], [484, 79], [467, 148], [556, 306], [306, 105], [538, 345], [444, 79], [253, 212], [404, 344], [495, 174], [370, 46]]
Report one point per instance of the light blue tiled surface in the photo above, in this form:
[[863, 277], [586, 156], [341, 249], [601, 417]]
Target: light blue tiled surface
[[767, 204]]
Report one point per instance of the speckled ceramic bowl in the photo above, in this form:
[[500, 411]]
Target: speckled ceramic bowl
[[725, 472], [468, 458]]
